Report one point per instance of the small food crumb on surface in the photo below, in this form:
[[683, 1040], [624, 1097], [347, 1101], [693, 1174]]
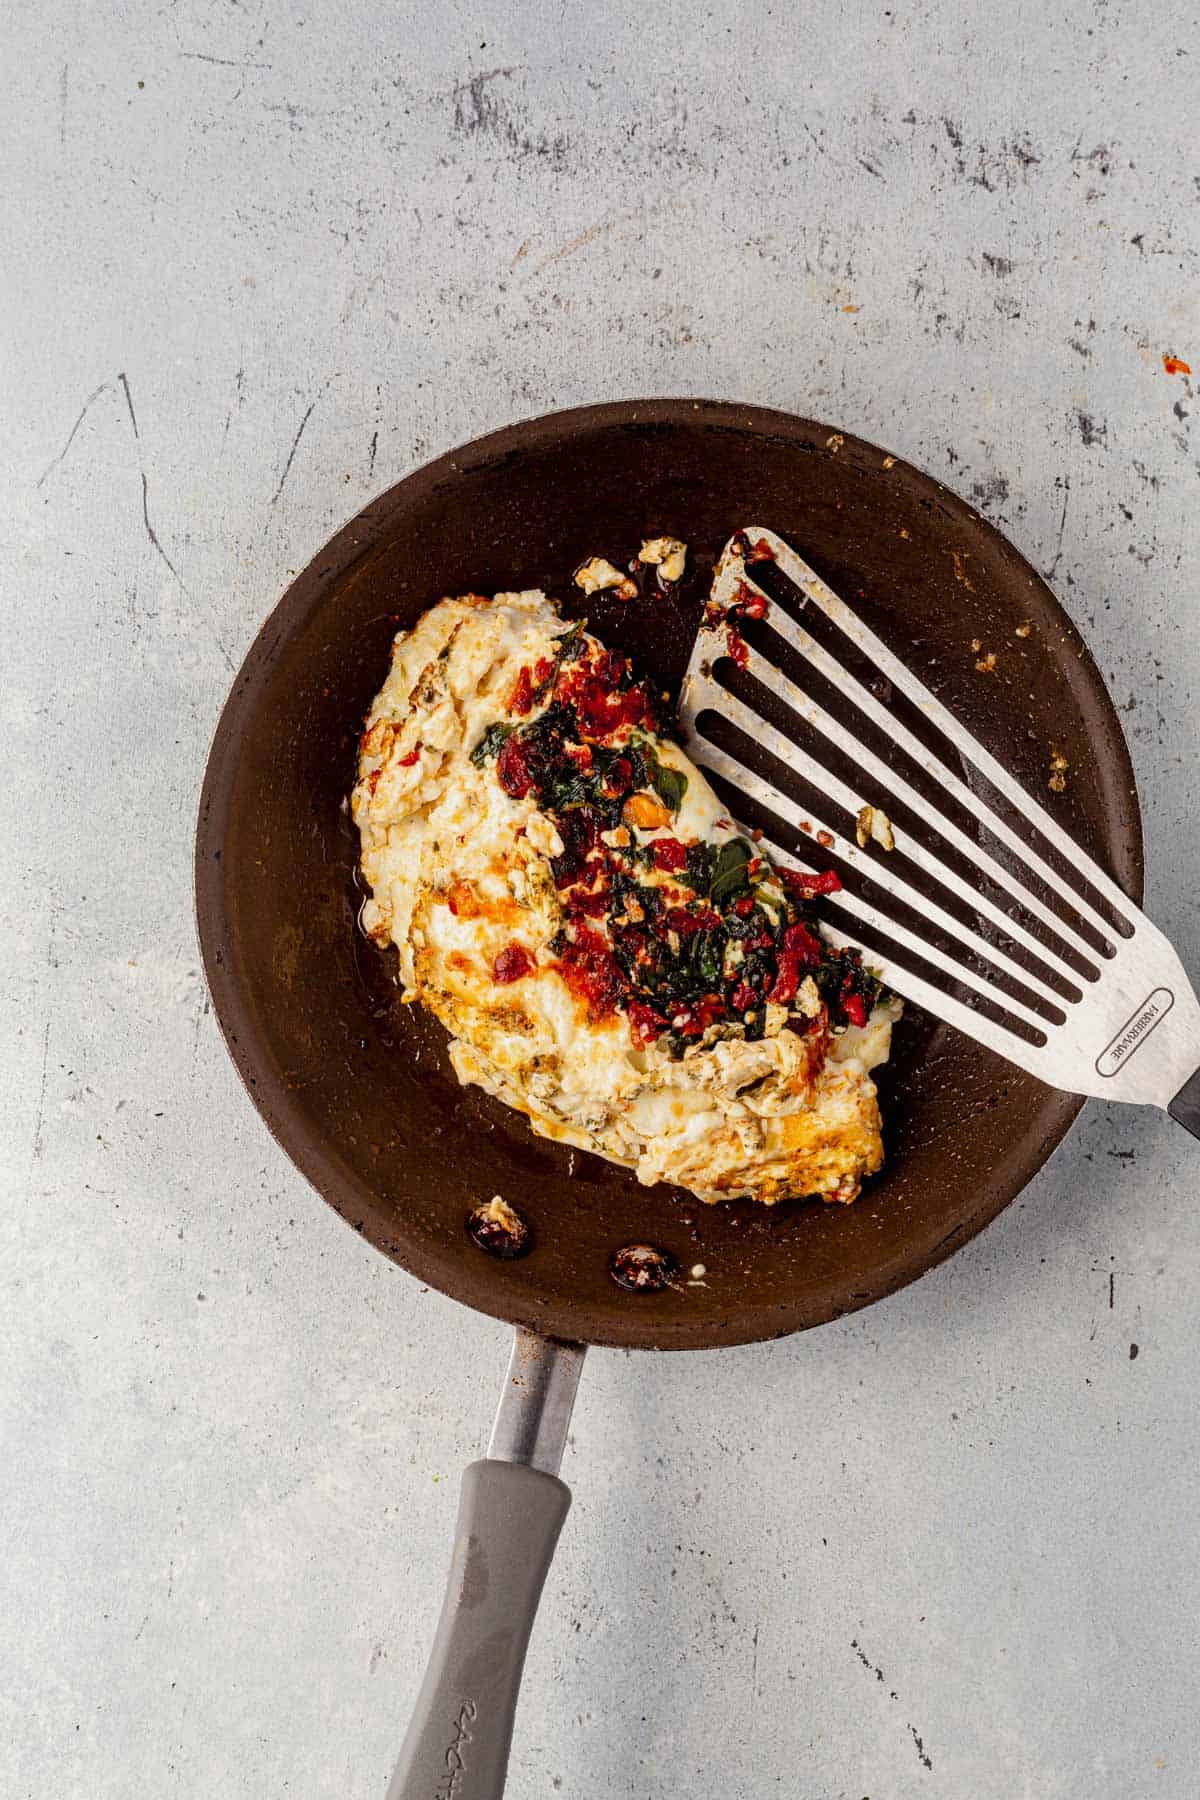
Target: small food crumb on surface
[[668, 554], [698, 1271], [1175, 365], [1057, 779], [499, 1229], [977, 645], [598, 574], [825, 838], [834, 441], [873, 824], [1024, 630], [905, 532], [889, 462], [984, 665], [641, 1269]]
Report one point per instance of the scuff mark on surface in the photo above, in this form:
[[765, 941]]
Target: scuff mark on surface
[[152, 535], [83, 413], [40, 1118], [1052, 571], [474, 108], [239, 385], [221, 62], [124, 381], [916, 1738], [291, 456], [1092, 431]]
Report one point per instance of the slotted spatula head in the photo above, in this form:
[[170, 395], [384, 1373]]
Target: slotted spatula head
[[963, 891]]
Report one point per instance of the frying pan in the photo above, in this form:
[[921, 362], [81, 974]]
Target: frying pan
[[357, 1088]]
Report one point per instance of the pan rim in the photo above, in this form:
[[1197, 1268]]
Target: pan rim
[[316, 1157]]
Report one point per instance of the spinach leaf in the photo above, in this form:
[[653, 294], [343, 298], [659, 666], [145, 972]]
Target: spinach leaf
[[701, 860], [709, 955], [491, 743], [570, 644], [729, 875], [669, 784]]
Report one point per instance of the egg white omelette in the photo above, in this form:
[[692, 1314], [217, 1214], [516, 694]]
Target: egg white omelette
[[610, 956]]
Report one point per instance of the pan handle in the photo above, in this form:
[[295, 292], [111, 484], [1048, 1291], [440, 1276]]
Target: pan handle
[[511, 1509]]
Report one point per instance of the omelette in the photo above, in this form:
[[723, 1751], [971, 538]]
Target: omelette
[[610, 954]]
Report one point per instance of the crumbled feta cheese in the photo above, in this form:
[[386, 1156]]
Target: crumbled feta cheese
[[670, 555], [808, 998], [598, 574], [543, 834], [873, 823]]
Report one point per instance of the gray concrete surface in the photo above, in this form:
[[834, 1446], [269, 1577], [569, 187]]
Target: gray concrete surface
[[259, 260]]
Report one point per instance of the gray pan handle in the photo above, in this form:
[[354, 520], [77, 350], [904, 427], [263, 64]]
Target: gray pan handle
[[511, 1509]]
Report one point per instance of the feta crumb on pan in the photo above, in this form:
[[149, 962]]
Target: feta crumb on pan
[[598, 574], [670, 555]]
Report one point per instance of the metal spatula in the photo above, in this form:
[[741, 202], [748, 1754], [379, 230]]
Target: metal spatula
[[978, 906]]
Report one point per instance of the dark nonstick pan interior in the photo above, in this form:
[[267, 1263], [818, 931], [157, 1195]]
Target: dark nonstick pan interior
[[357, 1087]]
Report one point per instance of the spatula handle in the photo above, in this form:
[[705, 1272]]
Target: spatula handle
[[509, 1518]]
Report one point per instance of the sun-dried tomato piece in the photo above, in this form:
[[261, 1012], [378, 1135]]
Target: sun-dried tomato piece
[[512, 964], [807, 887], [669, 855], [855, 1008], [521, 698], [644, 1023], [590, 970], [512, 769]]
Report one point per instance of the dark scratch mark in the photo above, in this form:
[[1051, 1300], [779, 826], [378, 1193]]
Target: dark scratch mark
[[1062, 526], [991, 492], [222, 62], [1133, 1352], [374, 448], [1122, 1155], [153, 536], [1092, 431], [123, 379], [239, 387], [1112, 1288], [475, 109], [817, 144], [953, 133], [865, 1660], [41, 1103], [292, 452], [870, 168], [83, 413], [63, 80], [920, 1747], [999, 266], [873, 1669], [137, 1634], [754, 1665]]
